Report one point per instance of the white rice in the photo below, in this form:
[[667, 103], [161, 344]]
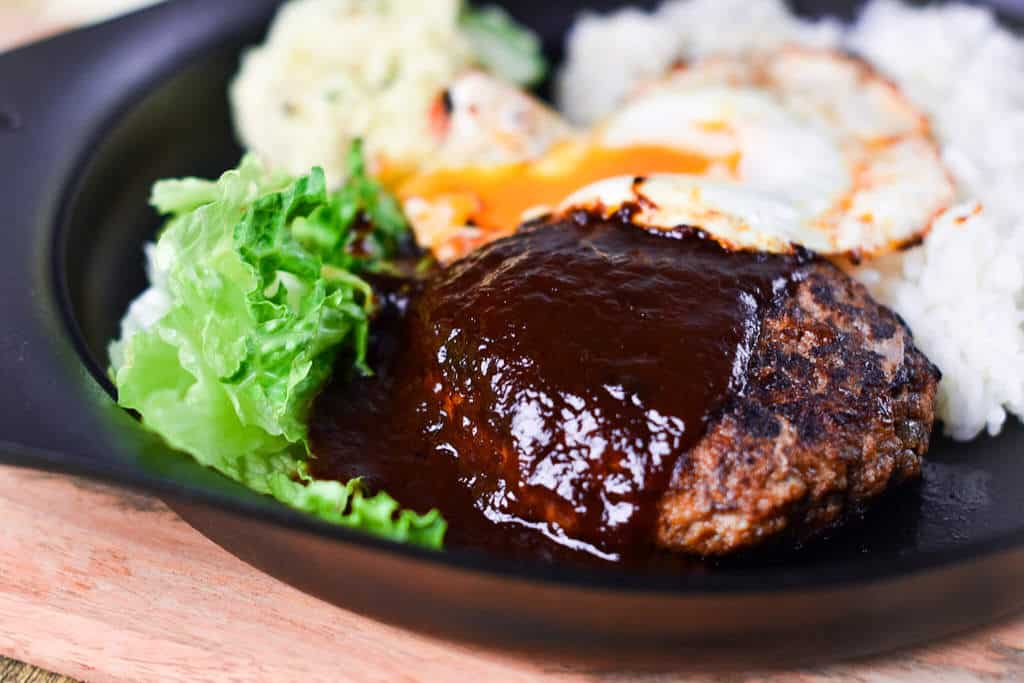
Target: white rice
[[962, 292]]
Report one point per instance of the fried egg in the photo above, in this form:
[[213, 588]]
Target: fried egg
[[794, 147], [503, 155]]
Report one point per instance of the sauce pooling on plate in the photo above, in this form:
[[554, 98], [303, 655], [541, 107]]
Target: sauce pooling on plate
[[549, 383]]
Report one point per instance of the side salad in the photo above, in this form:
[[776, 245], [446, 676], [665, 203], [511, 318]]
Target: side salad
[[257, 295]]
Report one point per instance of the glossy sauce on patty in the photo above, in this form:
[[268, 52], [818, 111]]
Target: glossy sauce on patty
[[550, 382]]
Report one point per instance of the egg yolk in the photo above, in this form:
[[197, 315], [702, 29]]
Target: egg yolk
[[495, 198]]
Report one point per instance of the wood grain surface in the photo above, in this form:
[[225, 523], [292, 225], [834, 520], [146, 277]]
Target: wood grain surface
[[108, 586], [18, 672]]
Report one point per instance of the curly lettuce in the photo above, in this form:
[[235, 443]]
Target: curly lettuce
[[256, 295]]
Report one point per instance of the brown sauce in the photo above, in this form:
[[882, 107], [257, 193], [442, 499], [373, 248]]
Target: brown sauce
[[541, 391]]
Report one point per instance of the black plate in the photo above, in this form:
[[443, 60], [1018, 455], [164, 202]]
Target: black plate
[[90, 119]]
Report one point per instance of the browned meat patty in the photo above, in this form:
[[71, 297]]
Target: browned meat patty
[[617, 389], [838, 406]]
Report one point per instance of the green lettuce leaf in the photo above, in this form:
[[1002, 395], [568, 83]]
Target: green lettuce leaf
[[256, 296], [503, 46]]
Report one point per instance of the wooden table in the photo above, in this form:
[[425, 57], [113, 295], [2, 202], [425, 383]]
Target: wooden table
[[109, 586], [12, 671]]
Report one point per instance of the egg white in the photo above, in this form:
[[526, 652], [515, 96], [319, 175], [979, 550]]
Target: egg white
[[818, 133]]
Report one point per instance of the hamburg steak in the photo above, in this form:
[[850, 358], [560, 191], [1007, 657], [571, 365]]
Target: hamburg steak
[[620, 389]]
